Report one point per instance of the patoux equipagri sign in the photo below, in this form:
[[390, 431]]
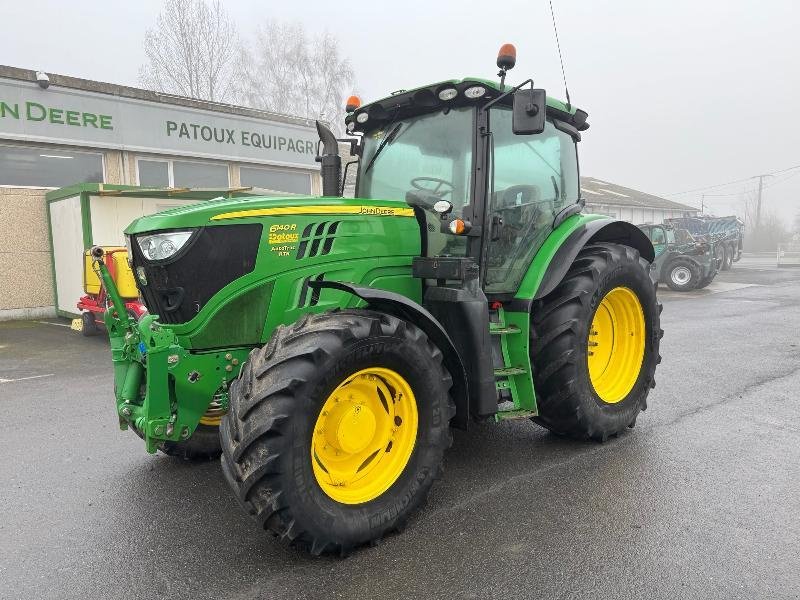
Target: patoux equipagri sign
[[80, 118]]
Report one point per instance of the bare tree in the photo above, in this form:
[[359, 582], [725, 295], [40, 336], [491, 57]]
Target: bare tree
[[288, 72], [191, 51], [763, 236]]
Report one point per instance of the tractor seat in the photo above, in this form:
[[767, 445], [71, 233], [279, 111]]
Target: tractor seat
[[517, 195]]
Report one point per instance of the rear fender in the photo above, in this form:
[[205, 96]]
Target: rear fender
[[599, 230], [408, 310]]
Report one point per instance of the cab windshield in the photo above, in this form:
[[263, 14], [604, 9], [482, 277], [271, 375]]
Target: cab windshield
[[429, 155]]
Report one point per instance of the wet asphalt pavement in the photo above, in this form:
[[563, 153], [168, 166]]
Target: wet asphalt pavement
[[700, 500]]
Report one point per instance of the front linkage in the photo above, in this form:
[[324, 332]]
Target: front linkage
[[178, 385]]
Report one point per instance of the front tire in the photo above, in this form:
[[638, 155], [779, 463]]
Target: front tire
[[682, 275], [202, 445], [306, 412], [89, 324], [595, 342]]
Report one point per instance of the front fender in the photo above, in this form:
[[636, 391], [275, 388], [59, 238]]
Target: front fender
[[408, 310]]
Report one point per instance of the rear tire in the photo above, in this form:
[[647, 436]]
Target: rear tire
[[271, 430], [705, 281], [727, 260], [562, 324], [682, 275], [719, 255]]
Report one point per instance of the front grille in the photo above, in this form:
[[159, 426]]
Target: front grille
[[179, 287], [317, 239]]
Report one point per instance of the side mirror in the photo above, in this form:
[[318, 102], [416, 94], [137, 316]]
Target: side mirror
[[530, 110]]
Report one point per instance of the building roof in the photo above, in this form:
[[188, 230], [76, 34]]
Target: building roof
[[124, 91], [597, 191], [134, 191]]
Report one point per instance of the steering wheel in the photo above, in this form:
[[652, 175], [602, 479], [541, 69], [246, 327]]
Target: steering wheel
[[437, 190]]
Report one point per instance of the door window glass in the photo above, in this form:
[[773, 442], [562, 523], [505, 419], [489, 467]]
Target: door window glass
[[657, 236], [533, 178]]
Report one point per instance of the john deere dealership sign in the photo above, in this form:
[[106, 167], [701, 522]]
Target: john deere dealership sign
[[75, 117]]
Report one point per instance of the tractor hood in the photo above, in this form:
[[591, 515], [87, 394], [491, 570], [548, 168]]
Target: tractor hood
[[234, 210]]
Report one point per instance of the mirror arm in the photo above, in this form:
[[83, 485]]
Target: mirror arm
[[356, 145], [504, 94]]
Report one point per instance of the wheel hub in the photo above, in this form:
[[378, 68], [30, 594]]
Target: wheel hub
[[681, 275], [364, 435], [352, 427]]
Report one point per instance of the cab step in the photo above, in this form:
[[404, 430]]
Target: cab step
[[509, 371], [505, 415], [500, 329]]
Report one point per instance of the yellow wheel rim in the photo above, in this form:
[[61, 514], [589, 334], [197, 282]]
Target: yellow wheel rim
[[616, 345], [364, 435], [213, 415]]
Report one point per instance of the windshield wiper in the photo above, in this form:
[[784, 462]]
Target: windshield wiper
[[555, 188], [389, 137]]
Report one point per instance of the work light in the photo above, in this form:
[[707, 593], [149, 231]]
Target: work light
[[476, 91]]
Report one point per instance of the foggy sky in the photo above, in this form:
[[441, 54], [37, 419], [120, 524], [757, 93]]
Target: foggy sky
[[680, 94]]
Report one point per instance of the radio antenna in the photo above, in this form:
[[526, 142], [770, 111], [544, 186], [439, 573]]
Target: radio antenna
[[560, 57]]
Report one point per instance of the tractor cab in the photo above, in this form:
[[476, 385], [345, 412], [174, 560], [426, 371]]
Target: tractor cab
[[485, 187]]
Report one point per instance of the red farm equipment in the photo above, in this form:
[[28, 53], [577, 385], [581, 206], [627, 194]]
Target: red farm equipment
[[95, 302]]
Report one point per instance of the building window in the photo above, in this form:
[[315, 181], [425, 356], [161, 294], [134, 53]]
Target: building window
[[181, 173], [274, 179], [196, 174], [153, 173], [25, 166]]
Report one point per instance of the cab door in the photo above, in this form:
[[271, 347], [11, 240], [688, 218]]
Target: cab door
[[532, 177], [658, 237]]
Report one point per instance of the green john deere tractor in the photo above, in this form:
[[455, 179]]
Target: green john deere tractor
[[326, 346]]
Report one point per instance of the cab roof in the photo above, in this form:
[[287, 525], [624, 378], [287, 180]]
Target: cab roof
[[405, 103]]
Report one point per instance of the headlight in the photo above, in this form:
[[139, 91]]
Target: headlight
[[158, 246]]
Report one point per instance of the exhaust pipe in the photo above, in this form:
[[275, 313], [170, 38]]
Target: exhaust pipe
[[331, 162]]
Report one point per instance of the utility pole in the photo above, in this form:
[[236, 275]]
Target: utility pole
[[702, 204], [758, 200]]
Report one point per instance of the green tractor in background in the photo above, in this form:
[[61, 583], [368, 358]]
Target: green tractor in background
[[326, 346], [681, 261]]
